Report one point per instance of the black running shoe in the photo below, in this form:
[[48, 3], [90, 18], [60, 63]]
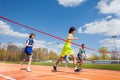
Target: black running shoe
[[54, 68], [76, 70]]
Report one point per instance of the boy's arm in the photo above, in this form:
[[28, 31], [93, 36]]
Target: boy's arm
[[85, 54], [27, 44], [80, 50]]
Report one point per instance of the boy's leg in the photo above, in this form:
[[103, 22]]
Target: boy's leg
[[29, 63], [80, 63], [21, 63], [80, 59], [23, 60]]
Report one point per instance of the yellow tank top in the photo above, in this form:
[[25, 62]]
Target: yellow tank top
[[68, 41]]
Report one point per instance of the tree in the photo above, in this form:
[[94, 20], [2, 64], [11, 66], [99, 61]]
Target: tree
[[44, 54], [94, 57], [14, 53], [113, 55], [104, 53], [53, 55]]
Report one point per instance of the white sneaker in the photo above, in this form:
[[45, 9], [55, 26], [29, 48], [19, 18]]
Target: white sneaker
[[29, 70]]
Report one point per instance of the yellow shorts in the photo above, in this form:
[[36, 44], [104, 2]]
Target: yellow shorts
[[67, 50]]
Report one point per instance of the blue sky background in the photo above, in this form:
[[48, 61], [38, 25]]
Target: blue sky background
[[56, 16]]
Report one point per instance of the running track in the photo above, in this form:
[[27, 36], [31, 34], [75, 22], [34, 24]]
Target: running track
[[13, 72]]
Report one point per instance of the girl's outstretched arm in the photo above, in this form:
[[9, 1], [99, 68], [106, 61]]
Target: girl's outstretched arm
[[70, 37]]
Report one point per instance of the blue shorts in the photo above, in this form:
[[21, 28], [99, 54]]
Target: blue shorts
[[28, 50], [80, 57], [26, 55]]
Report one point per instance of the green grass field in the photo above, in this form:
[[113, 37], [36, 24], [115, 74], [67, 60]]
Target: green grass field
[[91, 66]]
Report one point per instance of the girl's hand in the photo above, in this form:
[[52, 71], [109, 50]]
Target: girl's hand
[[75, 38]]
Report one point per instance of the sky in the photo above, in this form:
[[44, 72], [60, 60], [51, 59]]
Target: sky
[[96, 21]]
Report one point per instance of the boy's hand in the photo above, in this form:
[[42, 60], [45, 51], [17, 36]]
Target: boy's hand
[[85, 56]]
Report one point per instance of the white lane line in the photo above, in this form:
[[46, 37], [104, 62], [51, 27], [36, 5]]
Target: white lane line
[[7, 77], [78, 78], [63, 75], [90, 73], [56, 75]]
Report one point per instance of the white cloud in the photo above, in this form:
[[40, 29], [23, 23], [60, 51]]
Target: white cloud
[[109, 43], [23, 29], [40, 44], [5, 45], [19, 44], [109, 7], [70, 3], [55, 50], [51, 43], [80, 30], [105, 27], [60, 46], [56, 47], [108, 17], [7, 30]]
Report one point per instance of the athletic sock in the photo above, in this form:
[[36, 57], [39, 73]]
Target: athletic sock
[[76, 68]]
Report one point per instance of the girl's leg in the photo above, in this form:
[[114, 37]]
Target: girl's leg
[[57, 63], [59, 60], [66, 64], [74, 61]]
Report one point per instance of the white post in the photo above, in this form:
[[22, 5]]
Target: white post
[[114, 37]]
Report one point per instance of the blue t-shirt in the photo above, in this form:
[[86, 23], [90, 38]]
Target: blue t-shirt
[[31, 41], [28, 49]]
